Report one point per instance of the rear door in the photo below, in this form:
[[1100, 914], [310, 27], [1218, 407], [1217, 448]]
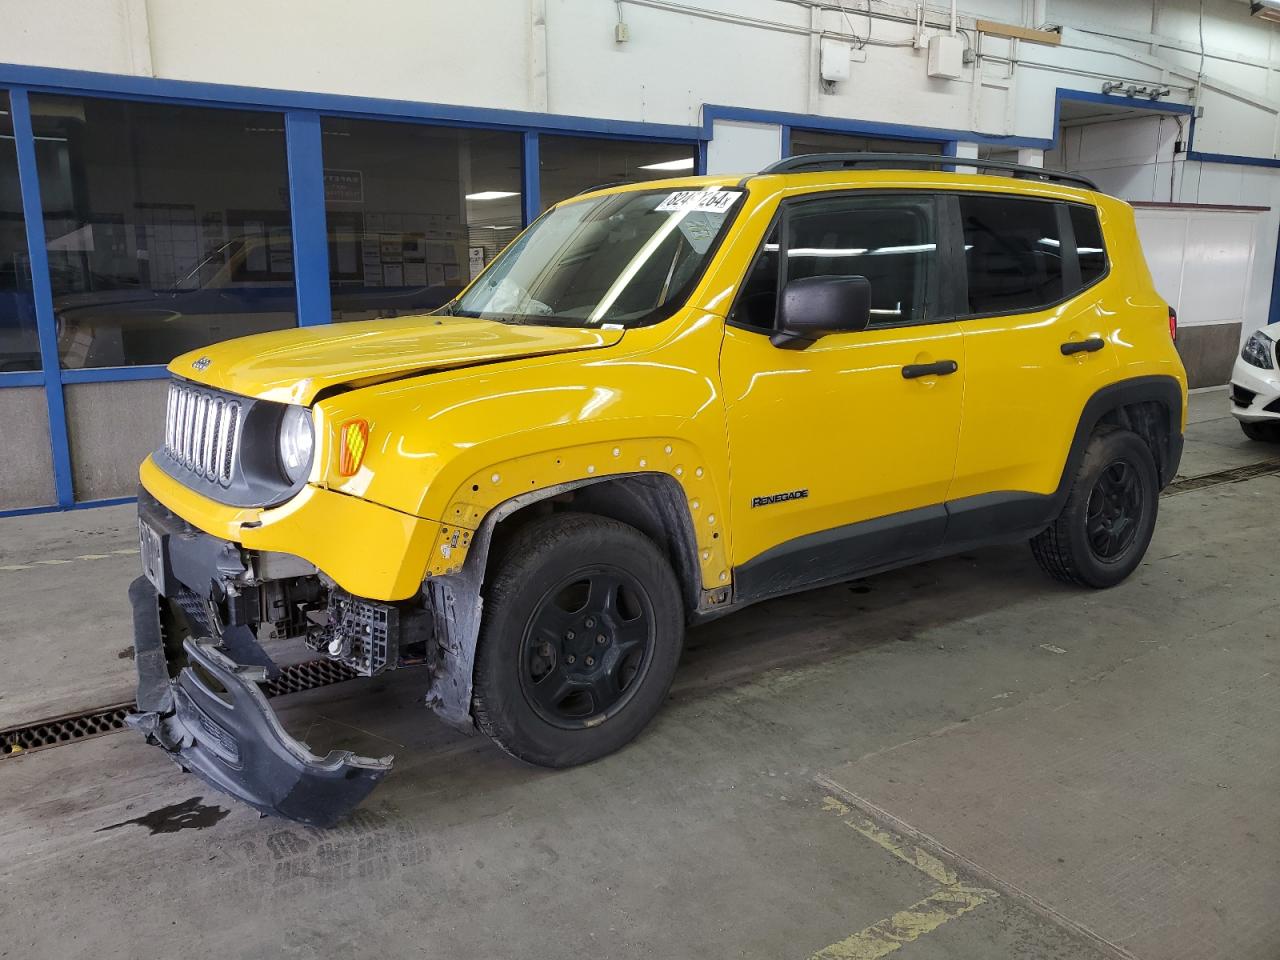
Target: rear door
[[1039, 341]]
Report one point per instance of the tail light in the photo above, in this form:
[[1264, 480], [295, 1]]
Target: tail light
[[353, 437], [1173, 324]]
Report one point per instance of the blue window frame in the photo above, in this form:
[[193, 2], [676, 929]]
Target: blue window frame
[[296, 120]]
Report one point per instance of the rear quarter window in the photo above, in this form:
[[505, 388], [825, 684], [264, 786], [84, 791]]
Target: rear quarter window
[[1090, 248]]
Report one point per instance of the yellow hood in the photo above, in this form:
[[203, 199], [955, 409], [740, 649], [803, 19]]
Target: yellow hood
[[292, 366]]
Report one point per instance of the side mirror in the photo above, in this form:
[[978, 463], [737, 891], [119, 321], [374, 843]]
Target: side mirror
[[813, 307]]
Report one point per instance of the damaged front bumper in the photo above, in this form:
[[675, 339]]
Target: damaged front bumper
[[202, 698], [214, 721]]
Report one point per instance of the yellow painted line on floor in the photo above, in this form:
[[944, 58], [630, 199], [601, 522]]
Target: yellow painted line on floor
[[923, 916], [952, 898], [922, 860], [33, 564]]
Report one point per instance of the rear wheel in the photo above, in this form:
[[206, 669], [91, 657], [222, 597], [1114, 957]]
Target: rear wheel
[[1106, 524], [1266, 432], [582, 631]]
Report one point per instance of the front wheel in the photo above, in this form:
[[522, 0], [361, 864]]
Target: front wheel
[[1104, 528], [583, 627]]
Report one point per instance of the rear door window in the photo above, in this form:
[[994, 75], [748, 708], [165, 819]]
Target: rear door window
[[1012, 254]]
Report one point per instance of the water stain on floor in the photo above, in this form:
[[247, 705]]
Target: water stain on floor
[[191, 814]]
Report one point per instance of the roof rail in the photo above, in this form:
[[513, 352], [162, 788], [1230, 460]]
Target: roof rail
[[815, 162], [605, 186]]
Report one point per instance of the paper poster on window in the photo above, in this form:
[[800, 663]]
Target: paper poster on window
[[714, 200], [255, 236], [281, 250], [393, 274], [475, 260], [343, 186]]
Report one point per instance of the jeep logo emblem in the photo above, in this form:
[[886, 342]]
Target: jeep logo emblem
[[201, 363]]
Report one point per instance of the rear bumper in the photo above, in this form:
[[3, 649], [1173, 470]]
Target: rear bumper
[[214, 721]]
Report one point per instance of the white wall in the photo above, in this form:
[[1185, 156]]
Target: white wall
[[560, 56], [1134, 158]]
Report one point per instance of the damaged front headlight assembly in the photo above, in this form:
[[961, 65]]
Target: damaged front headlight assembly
[[1259, 351], [296, 443]]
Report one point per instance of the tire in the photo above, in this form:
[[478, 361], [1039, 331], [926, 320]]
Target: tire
[[623, 642], [1105, 526], [1265, 432]]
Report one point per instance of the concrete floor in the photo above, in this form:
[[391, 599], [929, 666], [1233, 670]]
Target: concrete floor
[[959, 760]]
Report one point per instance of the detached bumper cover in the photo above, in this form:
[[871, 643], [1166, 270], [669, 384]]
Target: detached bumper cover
[[215, 722]]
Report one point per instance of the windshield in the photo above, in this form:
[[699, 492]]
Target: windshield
[[625, 258]]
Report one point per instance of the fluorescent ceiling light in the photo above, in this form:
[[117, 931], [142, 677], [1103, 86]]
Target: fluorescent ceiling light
[[685, 163], [492, 195]]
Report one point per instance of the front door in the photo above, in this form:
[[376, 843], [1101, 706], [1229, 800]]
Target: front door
[[842, 453]]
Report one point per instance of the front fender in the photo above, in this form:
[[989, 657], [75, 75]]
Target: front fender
[[453, 445]]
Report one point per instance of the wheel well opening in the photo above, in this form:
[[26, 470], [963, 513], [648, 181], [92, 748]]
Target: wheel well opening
[[654, 504], [1150, 420]]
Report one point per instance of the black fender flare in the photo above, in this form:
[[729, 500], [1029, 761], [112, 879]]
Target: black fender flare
[[456, 601], [1164, 390]]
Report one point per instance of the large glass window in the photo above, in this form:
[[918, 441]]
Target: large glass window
[[19, 349], [1012, 253], [892, 241], [167, 226], [570, 165], [414, 212], [814, 141]]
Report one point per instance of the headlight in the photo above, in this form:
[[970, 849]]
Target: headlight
[[297, 441], [1257, 351]]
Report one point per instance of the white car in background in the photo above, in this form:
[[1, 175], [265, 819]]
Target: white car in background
[[1255, 386]]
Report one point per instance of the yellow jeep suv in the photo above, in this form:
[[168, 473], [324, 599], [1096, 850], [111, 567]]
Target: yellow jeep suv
[[663, 402]]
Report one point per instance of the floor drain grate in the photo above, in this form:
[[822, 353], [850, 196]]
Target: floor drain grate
[[294, 678], [60, 730], [1234, 475]]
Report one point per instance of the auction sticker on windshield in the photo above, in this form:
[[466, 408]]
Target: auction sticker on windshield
[[705, 201]]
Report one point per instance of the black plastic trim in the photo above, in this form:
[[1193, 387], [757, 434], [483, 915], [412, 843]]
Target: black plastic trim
[[188, 557], [820, 162], [830, 556]]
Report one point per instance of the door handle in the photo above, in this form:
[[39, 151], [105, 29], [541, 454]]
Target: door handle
[[1091, 345], [942, 368]]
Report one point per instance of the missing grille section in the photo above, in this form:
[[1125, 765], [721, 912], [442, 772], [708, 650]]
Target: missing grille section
[[15, 741], [1234, 475], [307, 676]]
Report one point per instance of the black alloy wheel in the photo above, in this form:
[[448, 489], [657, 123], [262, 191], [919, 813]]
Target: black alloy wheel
[[581, 633], [1106, 522], [1115, 509], [586, 647]]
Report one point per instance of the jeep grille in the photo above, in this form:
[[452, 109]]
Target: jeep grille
[[202, 431]]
